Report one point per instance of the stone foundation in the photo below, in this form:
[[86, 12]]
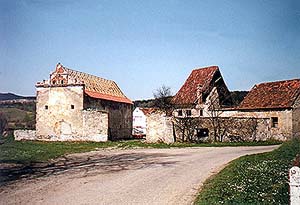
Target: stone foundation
[[25, 135]]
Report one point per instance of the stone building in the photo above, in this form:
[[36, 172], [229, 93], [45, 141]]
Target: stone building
[[277, 103], [273, 106], [75, 106], [203, 89], [205, 108]]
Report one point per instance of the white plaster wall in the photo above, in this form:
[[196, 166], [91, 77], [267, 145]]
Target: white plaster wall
[[59, 119], [139, 121]]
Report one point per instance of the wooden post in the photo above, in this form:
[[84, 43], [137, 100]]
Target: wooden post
[[294, 176]]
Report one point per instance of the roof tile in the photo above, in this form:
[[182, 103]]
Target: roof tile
[[270, 95], [198, 78]]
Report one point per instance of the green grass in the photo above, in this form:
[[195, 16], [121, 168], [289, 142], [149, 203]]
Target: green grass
[[18, 118], [12, 151], [14, 114], [253, 179]]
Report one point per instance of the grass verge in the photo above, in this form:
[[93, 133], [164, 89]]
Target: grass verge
[[24, 152], [254, 179]]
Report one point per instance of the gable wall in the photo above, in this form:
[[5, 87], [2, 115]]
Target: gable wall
[[296, 117], [62, 123]]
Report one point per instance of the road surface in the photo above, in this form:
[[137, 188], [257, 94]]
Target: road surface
[[137, 176]]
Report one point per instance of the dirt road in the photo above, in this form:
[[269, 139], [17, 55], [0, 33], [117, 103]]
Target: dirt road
[[141, 176]]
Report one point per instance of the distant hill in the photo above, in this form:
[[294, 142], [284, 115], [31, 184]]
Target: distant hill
[[11, 96]]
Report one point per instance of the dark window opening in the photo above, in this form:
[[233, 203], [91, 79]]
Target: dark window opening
[[202, 132], [46, 107], [201, 113], [274, 121], [53, 82], [62, 82], [188, 112], [179, 112], [72, 106]]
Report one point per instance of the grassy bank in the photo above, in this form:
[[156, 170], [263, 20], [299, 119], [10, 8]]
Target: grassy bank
[[254, 179], [12, 151]]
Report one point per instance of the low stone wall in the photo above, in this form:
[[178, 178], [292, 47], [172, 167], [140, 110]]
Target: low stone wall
[[231, 129], [25, 135], [159, 128], [95, 125], [94, 128]]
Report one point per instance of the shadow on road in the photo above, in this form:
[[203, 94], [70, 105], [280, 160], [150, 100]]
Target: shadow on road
[[89, 165]]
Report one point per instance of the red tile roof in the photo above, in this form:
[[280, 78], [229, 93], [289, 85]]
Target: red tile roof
[[148, 111], [271, 95], [187, 94], [107, 97]]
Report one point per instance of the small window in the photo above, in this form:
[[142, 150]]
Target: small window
[[62, 82], [188, 113], [201, 112], [274, 121], [46, 107], [179, 112], [72, 107]]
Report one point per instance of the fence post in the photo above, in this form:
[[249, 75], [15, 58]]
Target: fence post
[[294, 176]]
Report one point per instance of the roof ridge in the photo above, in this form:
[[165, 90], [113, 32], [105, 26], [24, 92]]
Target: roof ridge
[[206, 67], [279, 81], [94, 76], [276, 94], [97, 87]]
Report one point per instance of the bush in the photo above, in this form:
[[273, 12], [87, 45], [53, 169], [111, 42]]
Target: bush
[[3, 123]]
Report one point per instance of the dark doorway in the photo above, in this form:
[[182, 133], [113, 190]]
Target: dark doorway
[[202, 132]]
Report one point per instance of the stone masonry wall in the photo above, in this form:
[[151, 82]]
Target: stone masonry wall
[[296, 118], [95, 125], [60, 116], [283, 132], [54, 116], [159, 128], [120, 116]]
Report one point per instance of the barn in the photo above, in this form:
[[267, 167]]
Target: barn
[[76, 106]]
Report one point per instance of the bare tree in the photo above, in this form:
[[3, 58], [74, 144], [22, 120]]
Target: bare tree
[[215, 103], [3, 123], [163, 97], [186, 127]]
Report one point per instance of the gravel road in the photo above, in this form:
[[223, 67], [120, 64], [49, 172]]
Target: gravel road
[[138, 176]]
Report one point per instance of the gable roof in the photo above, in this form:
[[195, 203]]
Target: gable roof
[[272, 95], [94, 86], [148, 111], [198, 81]]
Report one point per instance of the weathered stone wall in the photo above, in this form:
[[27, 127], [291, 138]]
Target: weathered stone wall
[[159, 128], [95, 125], [60, 116], [120, 116], [25, 135], [296, 118], [229, 129], [54, 116], [284, 131]]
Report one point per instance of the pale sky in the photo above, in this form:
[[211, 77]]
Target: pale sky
[[142, 45]]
